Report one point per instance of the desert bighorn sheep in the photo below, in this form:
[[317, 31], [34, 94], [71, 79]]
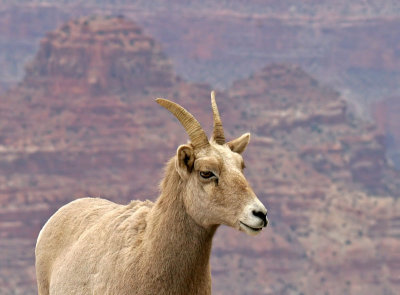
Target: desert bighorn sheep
[[94, 246]]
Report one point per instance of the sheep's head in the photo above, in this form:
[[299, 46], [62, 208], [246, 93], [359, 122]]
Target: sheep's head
[[217, 191]]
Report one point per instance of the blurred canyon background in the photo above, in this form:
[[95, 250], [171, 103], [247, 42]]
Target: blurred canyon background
[[316, 82]]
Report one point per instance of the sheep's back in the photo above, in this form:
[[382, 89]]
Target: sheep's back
[[85, 237]]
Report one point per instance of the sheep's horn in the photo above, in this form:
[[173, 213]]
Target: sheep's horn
[[218, 133], [196, 134]]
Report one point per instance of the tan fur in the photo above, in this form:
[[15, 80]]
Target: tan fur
[[94, 246]]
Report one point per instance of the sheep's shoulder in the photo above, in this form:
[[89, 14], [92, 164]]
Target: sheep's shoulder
[[131, 218], [99, 220], [136, 204]]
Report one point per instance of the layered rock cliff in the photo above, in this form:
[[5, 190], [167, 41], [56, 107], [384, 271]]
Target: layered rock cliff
[[84, 122], [386, 115], [99, 57], [326, 179]]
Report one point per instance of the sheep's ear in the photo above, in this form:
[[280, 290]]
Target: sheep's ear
[[184, 160], [239, 144]]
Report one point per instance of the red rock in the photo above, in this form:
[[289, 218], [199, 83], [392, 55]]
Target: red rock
[[69, 131]]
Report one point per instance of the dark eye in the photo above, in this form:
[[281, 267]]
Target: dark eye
[[206, 174]]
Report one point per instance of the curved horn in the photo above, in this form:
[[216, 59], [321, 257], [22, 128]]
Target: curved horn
[[218, 133], [196, 134]]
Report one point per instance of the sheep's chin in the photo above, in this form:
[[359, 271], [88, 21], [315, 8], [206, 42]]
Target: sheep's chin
[[251, 231]]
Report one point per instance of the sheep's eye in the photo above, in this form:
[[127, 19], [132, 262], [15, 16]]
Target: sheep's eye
[[206, 174]]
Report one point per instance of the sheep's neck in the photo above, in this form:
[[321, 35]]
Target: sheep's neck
[[179, 247]]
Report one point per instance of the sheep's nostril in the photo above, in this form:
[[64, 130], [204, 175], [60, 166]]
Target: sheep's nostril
[[261, 215]]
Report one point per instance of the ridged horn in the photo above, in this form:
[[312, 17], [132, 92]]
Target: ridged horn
[[218, 133], [196, 134]]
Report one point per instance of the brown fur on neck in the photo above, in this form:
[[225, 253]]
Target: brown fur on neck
[[191, 241], [176, 248]]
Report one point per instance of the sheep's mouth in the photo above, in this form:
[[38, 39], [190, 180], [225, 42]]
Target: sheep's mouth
[[256, 229]]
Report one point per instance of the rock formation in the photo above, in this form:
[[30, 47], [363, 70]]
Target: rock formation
[[83, 122]]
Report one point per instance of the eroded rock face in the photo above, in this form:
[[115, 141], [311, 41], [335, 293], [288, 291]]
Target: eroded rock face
[[84, 122], [322, 168], [386, 116], [304, 116], [99, 56]]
